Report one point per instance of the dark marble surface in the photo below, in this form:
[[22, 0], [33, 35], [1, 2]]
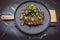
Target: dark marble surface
[[8, 31]]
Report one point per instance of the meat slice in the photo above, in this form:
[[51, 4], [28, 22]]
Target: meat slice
[[33, 20]]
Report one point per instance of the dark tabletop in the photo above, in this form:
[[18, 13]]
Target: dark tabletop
[[8, 31]]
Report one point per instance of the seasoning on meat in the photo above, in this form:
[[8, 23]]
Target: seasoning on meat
[[32, 15]]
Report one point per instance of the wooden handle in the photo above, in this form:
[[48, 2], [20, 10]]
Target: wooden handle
[[53, 15], [7, 17]]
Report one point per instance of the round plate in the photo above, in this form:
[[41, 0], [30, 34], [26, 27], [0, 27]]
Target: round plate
[[34, 29]]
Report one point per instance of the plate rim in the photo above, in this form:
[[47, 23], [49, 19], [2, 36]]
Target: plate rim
[[28, 2]]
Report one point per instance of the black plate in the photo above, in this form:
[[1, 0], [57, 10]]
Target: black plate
[[26, 28]]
